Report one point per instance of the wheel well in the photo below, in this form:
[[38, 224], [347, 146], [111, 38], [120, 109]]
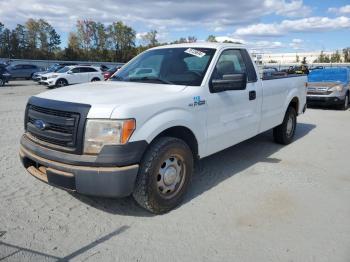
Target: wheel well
[[295, 104], [62, 79], [184, 134], [94, 78]]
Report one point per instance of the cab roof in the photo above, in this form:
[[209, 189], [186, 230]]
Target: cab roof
[[214, 45]]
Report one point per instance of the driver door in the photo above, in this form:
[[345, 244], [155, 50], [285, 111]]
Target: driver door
[[233, 115]]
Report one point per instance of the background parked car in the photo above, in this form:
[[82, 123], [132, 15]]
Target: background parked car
[[23, 71], [4, 76], [104, 68], [328, 87], [54, 68], [72, 75], [110, 72]]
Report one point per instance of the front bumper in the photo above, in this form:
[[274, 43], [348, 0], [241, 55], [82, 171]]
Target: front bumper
[[325, 100], [49, 82], [81, 176]]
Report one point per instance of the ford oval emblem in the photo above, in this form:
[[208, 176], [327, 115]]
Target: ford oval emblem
[[40, 124]]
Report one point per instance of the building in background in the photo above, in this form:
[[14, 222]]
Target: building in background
[[288, 58]]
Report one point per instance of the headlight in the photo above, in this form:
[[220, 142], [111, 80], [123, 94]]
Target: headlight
[[338, 88], [99, 132], [52, 76]]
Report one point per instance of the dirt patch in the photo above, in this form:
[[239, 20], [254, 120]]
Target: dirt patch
[[273, 207]]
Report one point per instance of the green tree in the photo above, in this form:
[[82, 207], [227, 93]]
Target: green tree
[[123, 39], [322, 58], [85, 33], [73, 51], [6, 43], [346, 54], [150, 38], [21, 35], [304, 62], [32, 27], [211, 38], [191, 39], [54, 40], [336, 57]]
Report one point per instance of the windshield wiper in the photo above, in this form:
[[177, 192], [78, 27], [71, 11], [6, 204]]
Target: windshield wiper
[[156, 79]]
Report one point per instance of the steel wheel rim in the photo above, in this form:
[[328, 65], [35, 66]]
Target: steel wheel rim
[[171, 176], [290, 125]]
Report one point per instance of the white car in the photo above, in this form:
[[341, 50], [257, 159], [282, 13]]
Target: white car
[[72, 75], [142, 133]]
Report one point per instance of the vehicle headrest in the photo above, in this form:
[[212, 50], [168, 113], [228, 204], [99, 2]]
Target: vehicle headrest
[[225, 68], [177, 67]]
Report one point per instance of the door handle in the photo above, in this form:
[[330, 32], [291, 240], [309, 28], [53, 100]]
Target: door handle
[[252, 95]]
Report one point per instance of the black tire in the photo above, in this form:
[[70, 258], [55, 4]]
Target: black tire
[[61, 82], [2, 82], [345, 105], [95, 79], [149, 192], [284, 133]]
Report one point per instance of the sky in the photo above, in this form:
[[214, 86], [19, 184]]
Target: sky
[[265, 25]]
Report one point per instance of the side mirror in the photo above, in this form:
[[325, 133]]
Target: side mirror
[[70, 73], [229, 82]]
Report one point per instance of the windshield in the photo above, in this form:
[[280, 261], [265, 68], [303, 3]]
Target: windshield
[[52, 68], [178, 66], [64, 69]]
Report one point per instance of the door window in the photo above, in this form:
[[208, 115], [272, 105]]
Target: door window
[[230, 62], [77, 70], [28, 67], [87, 70], [18, 67]]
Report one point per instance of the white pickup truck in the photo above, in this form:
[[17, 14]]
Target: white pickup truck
[[141, 132]]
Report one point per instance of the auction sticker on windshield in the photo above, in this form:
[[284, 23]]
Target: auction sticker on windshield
[[194, 52]]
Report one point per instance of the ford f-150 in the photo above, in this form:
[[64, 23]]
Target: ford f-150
[[142, 131]]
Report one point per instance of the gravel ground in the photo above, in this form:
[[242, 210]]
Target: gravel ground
[[256, 201]]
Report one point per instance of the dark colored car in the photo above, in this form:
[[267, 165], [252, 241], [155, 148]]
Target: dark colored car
[[23, 70], [104, 68], [110, 72], [4, 76]]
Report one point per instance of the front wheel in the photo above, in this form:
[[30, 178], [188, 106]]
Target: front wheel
[[164, 175], [2, 82], [284, 133], [345, 106], [61, 83]]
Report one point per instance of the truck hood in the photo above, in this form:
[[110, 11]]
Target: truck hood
[[104, 97]]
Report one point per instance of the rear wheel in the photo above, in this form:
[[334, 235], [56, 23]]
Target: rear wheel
[[95, 79], [61, 83], [2, 82], [284, 133], [164, 175]]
